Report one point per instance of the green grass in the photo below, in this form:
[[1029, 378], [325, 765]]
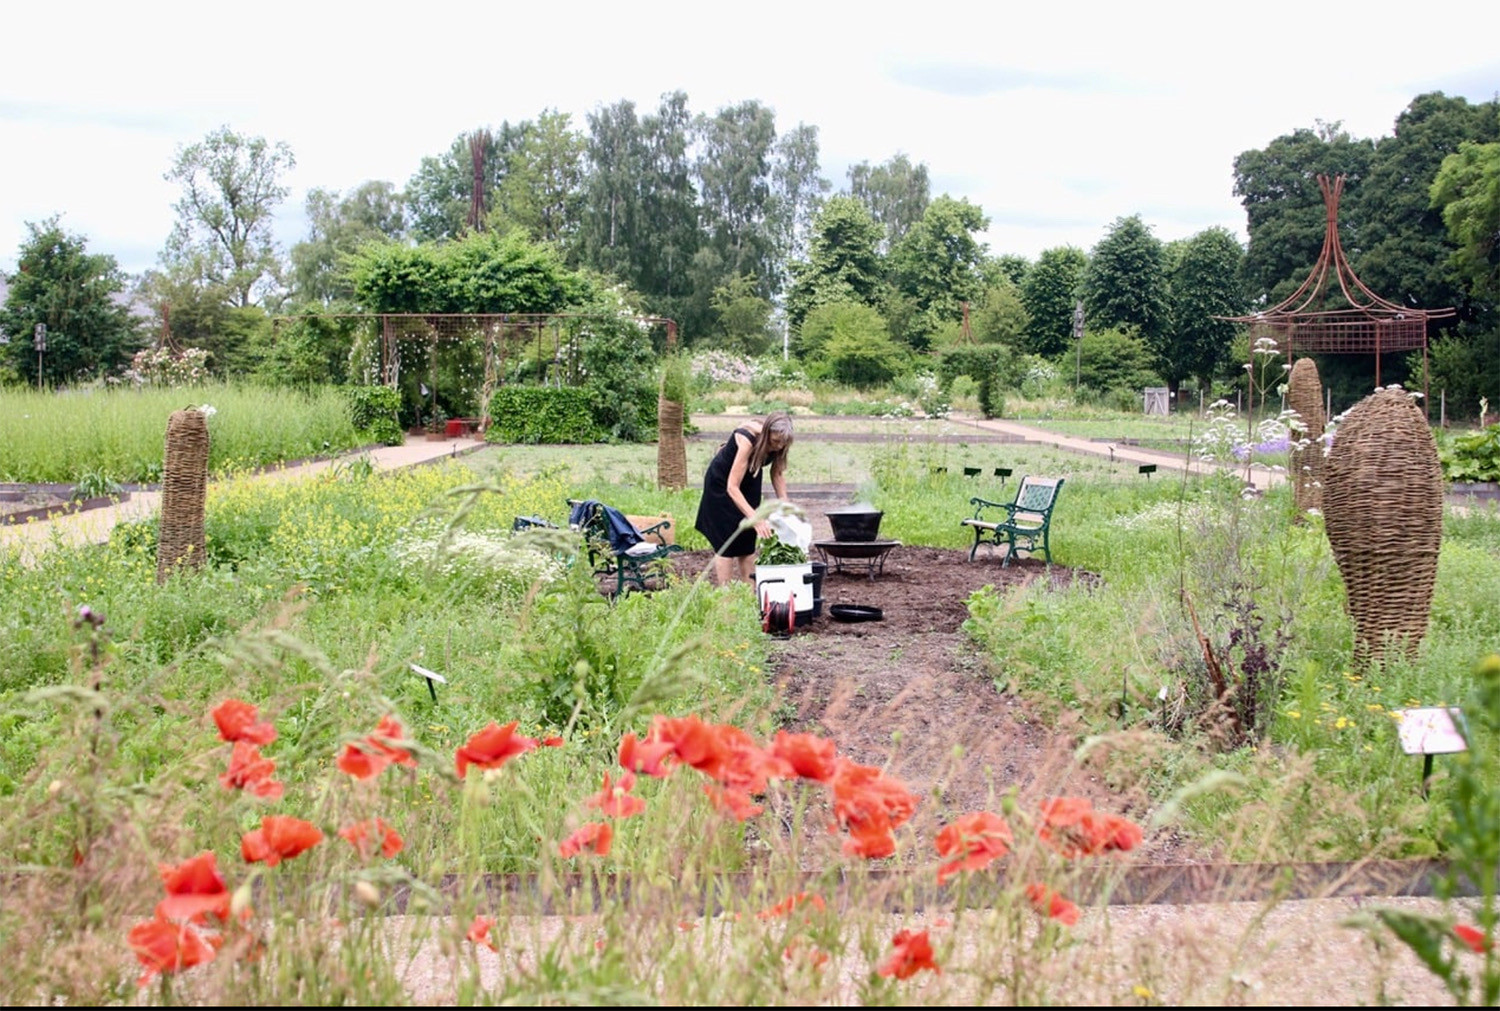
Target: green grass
[[120, 433]]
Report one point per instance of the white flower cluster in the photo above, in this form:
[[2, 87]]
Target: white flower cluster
[[1193, 515], [935, 403], [499, 560], [163, 367], [726, 367]]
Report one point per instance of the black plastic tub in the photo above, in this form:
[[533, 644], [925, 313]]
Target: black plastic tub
[[854, 522], [856, 612]]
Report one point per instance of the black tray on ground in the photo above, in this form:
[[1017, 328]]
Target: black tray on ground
[[855, 612]]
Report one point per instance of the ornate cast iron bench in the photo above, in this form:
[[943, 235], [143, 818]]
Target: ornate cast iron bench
[[631, 566], [1025, 521]]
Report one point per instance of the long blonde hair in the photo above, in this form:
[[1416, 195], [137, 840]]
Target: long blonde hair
[[776, 423]]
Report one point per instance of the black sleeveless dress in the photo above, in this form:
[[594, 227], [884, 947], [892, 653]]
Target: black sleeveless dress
[[718, 516]]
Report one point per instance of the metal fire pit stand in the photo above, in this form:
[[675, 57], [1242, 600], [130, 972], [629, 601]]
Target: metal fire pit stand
[[870, 553]]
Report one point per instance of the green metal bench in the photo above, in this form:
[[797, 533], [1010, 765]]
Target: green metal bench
[[1020, 524], [630, 569]]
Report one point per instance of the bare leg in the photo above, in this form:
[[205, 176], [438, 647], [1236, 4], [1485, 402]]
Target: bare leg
[[724, 570], [747, 569]]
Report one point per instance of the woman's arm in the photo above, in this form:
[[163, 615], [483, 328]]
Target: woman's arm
[[778, 477]]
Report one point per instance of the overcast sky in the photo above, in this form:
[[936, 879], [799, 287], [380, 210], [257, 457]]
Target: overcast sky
[[1055, 118]]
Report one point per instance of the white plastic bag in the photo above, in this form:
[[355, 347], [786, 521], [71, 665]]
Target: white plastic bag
[[791, 526]]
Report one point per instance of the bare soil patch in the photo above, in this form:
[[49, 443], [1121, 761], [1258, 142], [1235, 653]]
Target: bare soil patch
[[911, 694]]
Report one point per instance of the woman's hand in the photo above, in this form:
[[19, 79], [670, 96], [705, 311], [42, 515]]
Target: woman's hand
[[763, 529]]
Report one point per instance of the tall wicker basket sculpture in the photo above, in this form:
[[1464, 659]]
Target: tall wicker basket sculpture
[[184, 486], [671, 448], [671, 403], [1304, 395], [1383, 510]]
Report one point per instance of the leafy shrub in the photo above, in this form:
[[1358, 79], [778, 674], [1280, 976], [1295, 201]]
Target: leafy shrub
[[617, 362], [536, 414], [974, 361], [1464, 367], [95, 484], [1474, 456], [774, 373], [373, 410], [311, 348], [676, 378], [1113, 360], [991, 399], [962, 388]]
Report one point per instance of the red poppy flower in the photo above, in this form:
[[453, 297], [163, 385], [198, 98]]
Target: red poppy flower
[[785, 906], [492, 747], [553, 742], [479, 932], [369, 756], [280, 837], [911, 953], [195, 888], [975, 840], [735, 803], [163, 946], [695, 743], [870, 843], [238, 722], [810, 756], [1051, 903], [870, 805], [649, 757], [248, 770], [1074, 829], [614, 800], [1473, 937], [360, 835], [594, 837]]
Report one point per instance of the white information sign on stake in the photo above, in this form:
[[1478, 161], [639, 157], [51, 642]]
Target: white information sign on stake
[[1430, 731]]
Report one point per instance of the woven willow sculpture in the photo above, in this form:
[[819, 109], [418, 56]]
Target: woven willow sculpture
[[184, 484], [671, 449], [1304, 394], [1383, 510], [671, 402]]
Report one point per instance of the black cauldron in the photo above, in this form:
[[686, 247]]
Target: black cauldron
[[855, 522]]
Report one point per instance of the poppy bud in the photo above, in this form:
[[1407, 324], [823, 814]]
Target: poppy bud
[[367, 894], [239, 902]]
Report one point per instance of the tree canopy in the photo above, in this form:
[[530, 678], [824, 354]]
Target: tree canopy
[[73, 293], [231, 186], [1049, 291], [481, 273]]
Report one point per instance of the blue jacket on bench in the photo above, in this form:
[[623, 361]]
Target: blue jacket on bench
[[622, 535]]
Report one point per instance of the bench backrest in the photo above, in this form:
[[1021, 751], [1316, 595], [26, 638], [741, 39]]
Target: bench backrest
[[1037, 495]]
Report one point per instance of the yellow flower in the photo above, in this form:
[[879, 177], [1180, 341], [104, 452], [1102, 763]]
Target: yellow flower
[[1294, 714], [1144, 993]]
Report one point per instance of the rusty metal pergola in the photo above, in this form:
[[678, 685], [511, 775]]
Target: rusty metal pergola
[[1366, 324]]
